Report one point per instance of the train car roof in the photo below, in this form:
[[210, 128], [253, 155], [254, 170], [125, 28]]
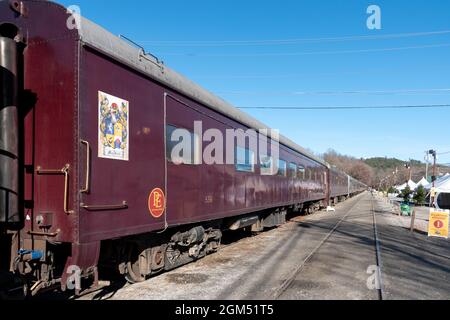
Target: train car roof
[[337, 170], [121, 50]]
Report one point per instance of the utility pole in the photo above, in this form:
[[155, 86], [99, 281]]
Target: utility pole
[[426, 164], [433, 178], [408, 166], [433, 153]]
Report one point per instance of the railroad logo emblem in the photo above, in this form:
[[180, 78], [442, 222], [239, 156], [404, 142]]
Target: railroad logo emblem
[[438, 223], [113, 120], [157, 203]]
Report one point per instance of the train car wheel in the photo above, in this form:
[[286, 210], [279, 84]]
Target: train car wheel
[[132, 272]]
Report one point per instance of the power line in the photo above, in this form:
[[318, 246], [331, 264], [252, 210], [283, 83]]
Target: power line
[[349, 107], [293, 54], [295, 75], [442, 153], [348, 92], [290, 75], [215, 43]]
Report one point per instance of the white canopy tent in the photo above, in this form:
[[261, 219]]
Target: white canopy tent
[[442, 184], [412, 185], [423, 182]]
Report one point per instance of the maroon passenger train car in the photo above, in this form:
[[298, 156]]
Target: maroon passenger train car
[[339, 185], [86, 177]]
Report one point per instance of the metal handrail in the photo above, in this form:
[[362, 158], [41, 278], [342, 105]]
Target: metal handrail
[[123, 205], [88, 167], [65, 172]]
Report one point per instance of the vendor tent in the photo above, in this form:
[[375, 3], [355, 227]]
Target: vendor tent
[[423, 182], [412, 185], [442, 184]]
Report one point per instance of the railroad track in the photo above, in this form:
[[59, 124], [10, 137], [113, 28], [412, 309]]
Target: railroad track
[[377, 250], [295, 273]]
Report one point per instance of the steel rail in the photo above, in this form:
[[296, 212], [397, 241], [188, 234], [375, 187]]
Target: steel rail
[[381, 294]]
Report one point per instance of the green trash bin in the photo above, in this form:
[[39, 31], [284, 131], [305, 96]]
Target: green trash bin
[[405, 209]]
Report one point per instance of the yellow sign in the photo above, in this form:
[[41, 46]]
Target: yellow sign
[[438, 223]]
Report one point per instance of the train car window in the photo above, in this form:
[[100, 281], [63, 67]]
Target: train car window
[[292, 170], [244, 159], [301, 172], [265, 164], [180, 151], [282, 168]]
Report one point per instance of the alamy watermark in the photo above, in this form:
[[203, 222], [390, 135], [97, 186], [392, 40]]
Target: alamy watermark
[[74, 279], [374, 280], [74, 19], [230, 146], [374, 20]]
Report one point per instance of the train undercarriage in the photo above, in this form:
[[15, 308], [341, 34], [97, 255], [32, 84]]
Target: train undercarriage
[[139, 257]]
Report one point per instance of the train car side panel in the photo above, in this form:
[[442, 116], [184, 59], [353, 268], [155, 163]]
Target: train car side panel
[[117, 202]]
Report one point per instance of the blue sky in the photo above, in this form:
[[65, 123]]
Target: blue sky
[[208, 41]]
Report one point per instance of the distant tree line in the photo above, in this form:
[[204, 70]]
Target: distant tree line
[[357, 168], [371, 171]]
